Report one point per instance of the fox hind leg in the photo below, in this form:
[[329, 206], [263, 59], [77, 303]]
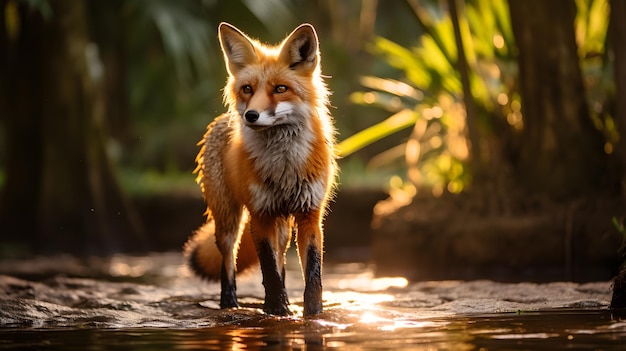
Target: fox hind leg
[[285, 227], [228, 233]]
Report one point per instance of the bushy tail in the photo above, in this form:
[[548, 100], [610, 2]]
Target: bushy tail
[[205, 259]]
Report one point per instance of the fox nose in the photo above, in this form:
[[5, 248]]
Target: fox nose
[[251, 116]]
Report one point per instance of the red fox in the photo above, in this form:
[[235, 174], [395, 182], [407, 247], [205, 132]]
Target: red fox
[[266, 168]]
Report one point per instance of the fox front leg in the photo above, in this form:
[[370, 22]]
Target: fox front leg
[[310, 239], [264, 231]]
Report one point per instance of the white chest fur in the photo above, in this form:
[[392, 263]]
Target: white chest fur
[[280, 157]]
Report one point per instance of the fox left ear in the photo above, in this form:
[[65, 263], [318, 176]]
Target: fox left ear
[[300, 50]]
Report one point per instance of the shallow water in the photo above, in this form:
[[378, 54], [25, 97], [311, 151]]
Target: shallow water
[[136, 303], [546, 330]]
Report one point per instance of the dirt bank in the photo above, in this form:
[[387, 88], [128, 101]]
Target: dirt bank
[[455, 237]]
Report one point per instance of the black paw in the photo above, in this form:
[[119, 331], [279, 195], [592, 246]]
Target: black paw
[[277, 309], [277, 304], [228, 299]]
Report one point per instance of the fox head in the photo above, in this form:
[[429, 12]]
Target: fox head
[[273, 85]]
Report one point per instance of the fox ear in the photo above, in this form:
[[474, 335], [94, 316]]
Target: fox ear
[[300, 50], [237, 47]]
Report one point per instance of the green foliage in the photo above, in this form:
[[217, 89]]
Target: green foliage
[[185, 34], [619, 226], [400, 120], [591, 25], [428, 92], [428, 96]]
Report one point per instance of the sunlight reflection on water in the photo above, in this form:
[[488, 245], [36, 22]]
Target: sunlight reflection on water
[[153, 303], [366, 282]]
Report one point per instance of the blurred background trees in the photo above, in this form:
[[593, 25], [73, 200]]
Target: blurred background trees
[[541, 91], [101, 103]]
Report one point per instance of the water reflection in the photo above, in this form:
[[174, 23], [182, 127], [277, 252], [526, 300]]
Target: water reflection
[[366, 281], [151, 303], [492, 332]]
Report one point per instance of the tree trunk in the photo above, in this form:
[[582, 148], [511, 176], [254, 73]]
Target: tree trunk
[[617, 35], [562, 154], [82, 208], [108, 24], [78, 206], [20, 114]]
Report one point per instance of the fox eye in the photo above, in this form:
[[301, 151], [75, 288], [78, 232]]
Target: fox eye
[[280, 89], [247, 89]]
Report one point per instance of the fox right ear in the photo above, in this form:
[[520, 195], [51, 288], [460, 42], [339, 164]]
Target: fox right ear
[[237, 47]]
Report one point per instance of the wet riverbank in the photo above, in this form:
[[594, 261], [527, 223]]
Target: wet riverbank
[[125, 298], [159, 291]]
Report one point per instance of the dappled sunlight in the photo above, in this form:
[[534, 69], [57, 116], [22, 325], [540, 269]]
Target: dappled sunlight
[[351, 299], [498, 41], [471, 121], [122, 269], [363, 299], [359, 289], [514, 116], [438, 147], [392, 86], [126, 266], [373, 284], [360, 277], [400, 192], [372, 319], [367, 310]]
